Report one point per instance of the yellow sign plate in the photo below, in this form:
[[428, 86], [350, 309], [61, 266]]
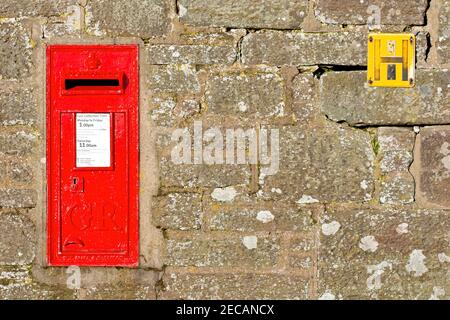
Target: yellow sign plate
[[391, 60]]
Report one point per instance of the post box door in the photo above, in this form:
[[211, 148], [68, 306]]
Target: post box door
[[92, 152]]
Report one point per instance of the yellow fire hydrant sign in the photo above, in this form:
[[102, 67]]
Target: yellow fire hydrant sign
[[391, 60]]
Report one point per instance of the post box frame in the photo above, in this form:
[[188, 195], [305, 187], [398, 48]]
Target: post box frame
[[54, 256]]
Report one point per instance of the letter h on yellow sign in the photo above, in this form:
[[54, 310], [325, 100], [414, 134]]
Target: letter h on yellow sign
[[391, 60]]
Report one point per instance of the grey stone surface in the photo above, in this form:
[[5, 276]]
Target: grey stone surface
[[395, 156], [443, 41], [277, 14], [17, 283], [173, 78], [33, 8], [178, 211], [305, 99], [345, 96], [191, 54], [17, 198], [241, 286], [195, 251], [388, 253], [15, 51], [17, 143], [261, 216], [18, 239], [298, 48], [433, 165], [17, 107], [118, 292], [324, 164], [190, 175], [15, 169], [142, 18], [392, 12], [254, 96]]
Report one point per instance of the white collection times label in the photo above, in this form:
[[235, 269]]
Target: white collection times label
[[93, 134]]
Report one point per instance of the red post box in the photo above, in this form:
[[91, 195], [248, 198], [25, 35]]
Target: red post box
[[92, 155]]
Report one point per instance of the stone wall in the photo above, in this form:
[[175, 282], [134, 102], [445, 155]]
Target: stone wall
[[360, 205]]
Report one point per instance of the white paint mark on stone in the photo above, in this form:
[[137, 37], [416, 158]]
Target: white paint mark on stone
[[376, 271], [224, 194], [442, 257], [364, 185], [416, 129], [250, 242], [446, 162], [243, 107], [328, 295], [368, 243], [73, 21], [331, 228], [182, 11], [276, 190], [402, 228], [445, 149], [307, 199], [265, 216], [437, 293], [416, 263]]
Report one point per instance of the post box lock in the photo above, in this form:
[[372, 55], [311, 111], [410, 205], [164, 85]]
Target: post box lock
[[92, 155], [391, 60], [76, 184]]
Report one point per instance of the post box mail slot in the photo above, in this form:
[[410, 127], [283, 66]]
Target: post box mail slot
[[92, 155]]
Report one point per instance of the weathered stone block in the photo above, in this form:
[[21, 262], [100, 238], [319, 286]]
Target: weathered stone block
[[422, 50], [395, 156], [384, 253], [305, 104], [245, 251], [118, 292], [195, 286], [15, 51], [141, 18], [299, 49], [17, 143], [194, 176], [254, 96], [397, 188], [395, 146], [33, 8], [190, 175], [173, 78], [261, 216], [15, 169], [17, 198], [391, 12], [325, 164], [432, 166], [345, 96], [277, 14], [168, 112], [17, 107], [300, 263], [16, 283], [69, 24], [443, 41], [17, 241], [191, 54], [178, 211]]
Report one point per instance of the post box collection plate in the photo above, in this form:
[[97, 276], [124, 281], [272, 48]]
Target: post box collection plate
[[92, 155], [391, 60]]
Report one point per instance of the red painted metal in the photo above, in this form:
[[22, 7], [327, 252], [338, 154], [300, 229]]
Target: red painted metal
[[92, 211]]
